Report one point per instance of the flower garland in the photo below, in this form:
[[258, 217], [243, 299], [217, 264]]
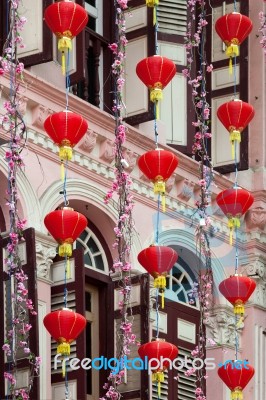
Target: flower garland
[[21, 306], [195, 46], [121, 186], [262, 31]]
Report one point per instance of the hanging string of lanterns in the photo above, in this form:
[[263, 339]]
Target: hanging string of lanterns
[[66, 20], [235, 115]]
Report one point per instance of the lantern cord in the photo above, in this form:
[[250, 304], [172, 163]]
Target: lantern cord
[[66, 202], [236, 338], [236, 169], [157, 313], [155, 124], [236, 248], [65, 281], [234, 5], [67, 78], [156, 29], [157, 220], [66, 383]]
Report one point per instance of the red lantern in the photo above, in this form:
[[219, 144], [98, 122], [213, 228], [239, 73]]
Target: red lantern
[[64, 326], [233, 29], [66, 20], [156, 72], [234, 203], [65, 226], [236, 375], [158, 165], [237, 290], [158, 350], [158, 260], [66, 129], [235, 115]]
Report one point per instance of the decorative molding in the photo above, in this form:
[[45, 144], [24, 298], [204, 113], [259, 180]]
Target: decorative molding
[[107, 151], [89, 141], [131, 159], [170, 183], [39, 115], [256, 269], [45, 253], [256, 218], [22, 105], [220, 326], [186, 190]]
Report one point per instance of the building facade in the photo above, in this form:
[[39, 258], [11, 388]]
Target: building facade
[[93, 287]]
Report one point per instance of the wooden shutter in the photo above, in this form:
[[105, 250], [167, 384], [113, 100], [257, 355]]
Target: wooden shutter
[[76, 302], [136, 386], [179, 325], [28, 258], [221, 88]]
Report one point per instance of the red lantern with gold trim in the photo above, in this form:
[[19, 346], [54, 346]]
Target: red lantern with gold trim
[[64, 326], [234, 203], [237, 290], [66, 20], [65, 226], [233, 29], [158, 165], [158, 260], [156, 72], [236, 375], [235, 115], [66, 129], [158, 350]]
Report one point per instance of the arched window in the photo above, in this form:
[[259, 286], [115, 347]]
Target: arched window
[[94, 254]]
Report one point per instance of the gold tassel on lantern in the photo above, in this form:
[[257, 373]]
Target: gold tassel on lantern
[[237, 394], [232, 51], [65, 249], [63, 349], [239, 308], [158, 377], [160, 283], [235, 136], [65, 150], [159, 188], [156, 94], [67, 268], [152, 3], [233, 222], [64, 45]]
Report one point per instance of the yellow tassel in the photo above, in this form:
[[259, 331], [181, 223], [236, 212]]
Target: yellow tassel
[[152, 3], [232, 51], [160, 282], [156, 94], [64, 45], [64, 370], [233, 222], [65, 249], [68, 268], [155, 15], [235, 136], [158, 377], [65, 151], [62, 171], [63, 349], [162, 294], [159, 186], [163, 203], [237, 394], [239, 308]]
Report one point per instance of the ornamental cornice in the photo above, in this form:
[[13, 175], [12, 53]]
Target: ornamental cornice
[[220, 326], [45, 253], [255, 268]]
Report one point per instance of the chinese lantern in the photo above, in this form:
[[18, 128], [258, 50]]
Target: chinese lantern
[[65, 226], [237, 290], [234, 203], [235, 115], [236, 375], [158, 260], [66, 129], [156, 72], [158, 165], [64, 326], [233, 29], [160, 352], [66, 20]]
